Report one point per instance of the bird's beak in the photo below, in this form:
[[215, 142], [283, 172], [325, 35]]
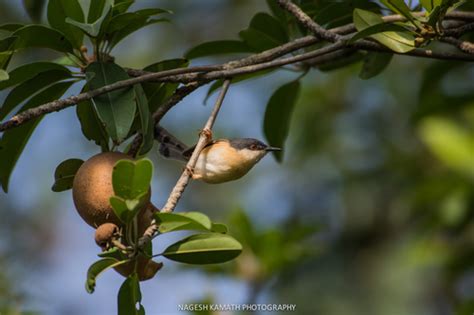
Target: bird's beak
[[268, 149]]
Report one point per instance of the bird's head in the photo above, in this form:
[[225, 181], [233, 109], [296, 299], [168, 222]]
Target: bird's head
[[252, 150]]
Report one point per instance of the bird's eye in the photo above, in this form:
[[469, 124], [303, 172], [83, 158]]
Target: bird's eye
[[253, 147]]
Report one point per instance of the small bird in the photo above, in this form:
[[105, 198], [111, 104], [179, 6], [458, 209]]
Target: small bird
[[220, 161]]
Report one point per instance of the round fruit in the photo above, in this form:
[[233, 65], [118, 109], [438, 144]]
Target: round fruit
[[105, 233], [92, 189]]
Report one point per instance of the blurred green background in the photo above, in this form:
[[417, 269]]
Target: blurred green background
[[370, 211]]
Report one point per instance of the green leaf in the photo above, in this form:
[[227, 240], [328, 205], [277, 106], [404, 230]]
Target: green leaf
[[131, 179], [169, 222], [114, 252], [96, 8], [4, 76], [278, 12], [129, 297], [115, 109], [429, 5], [218, 47], [7, 48], [97, 268], [276, 124], [450, 143], [157, 93], [264, 32], [42, 36], [400, 7], [58, 11], [92, 29], [243, 229], [91, 126], [124, 24], [209, 248], [350, 58], [14, 140], [121, 6], [219, 228], [377, 28], [127, 209], [30, 87], [374, 64], [28, 71], [34, 8], [146, 120], [64, 174], [397, 41]]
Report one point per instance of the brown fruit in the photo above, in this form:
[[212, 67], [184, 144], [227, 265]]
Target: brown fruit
[[92, 189], [105, 233], [146, 268]]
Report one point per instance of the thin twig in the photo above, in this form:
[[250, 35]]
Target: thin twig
[[204, 138], [462, 45]]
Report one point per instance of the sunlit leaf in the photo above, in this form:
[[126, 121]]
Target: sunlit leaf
[[64, 174], [116, 109], [377, 28], [397, 41], [4, 76], [400, 7], [276, 124], [14, 140], [201, 249], [131, 179], [178, 221]]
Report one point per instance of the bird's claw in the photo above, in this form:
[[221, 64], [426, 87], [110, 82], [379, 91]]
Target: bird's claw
[[206, 132], [189, 171]]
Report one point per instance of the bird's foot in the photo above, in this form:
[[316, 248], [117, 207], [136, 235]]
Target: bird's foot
[[206, 132], [189, 171]]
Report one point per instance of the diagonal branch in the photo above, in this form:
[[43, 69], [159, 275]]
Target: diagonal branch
[[264, 60], [204, 138]]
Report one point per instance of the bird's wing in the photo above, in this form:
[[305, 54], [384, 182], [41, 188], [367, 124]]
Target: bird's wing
[[187, 154], [170, 146]]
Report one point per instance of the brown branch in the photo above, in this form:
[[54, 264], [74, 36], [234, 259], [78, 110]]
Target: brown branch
[[178, 189], [200, 74], [462, 45]]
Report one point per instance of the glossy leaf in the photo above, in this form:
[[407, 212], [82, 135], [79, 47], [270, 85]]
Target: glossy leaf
[[131, 179], [278, 115], [28, 71], [97, 268], [58, 11], [219, 228], [13, 141], [34, 8], [42, 36], [169, 222], [377, 28], [121, 6], [397, 41], [93, 28], [374, 64], [129, 297], [115, 109], [146, 120], [218, 47], [64, 174], [30, 87], [209, 248], [91, 126]]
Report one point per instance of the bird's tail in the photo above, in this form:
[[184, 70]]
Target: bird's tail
[[170, 146]]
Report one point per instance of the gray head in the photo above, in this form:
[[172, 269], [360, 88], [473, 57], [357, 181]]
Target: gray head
[[251, 144]]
